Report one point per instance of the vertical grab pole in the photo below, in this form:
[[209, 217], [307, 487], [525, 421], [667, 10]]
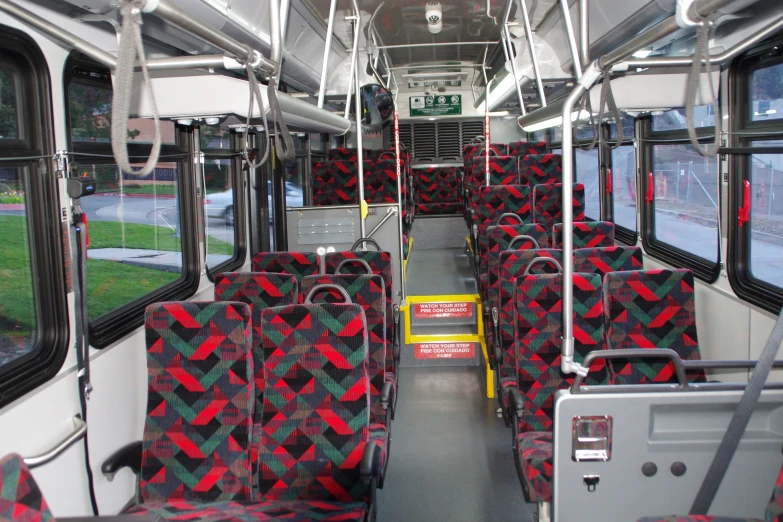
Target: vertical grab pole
[[571, 41], [567, 363], [533, 54], [358, 101], [398, 163], [327, 50], [512, 58], [354, 62], [486, 137]]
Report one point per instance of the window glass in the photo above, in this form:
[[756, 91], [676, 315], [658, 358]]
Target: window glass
[[215, 137], [584, 131], [673, 120], [557, 135], [219, 209], [686, 195], [587, 174], [624, 186], [89, 108], [628, 128], [17, 305], [539, 135], [135, 240], [766, 243], [767, 93], [9, 118]]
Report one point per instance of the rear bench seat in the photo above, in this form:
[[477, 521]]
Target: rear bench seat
[[438, 190]]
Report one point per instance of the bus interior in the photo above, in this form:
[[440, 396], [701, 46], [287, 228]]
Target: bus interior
[[531, 246]]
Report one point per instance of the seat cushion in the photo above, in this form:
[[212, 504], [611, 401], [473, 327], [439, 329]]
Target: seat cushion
[[380, 435], [437, 209], [299, 511], [20, 498], [535, 459], [506, 383]]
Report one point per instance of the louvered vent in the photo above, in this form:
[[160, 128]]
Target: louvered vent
[[449, 141], [439, 141], [425, 141], [406, 136], [471, 129]]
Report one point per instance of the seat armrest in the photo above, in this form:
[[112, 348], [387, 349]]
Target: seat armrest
[[370, 467], [387, 395], [128, 456], [516, 402]]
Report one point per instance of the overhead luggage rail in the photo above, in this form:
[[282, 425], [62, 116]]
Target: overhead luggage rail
[[295, 111]]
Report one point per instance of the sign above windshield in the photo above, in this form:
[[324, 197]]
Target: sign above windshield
[[438, 105]]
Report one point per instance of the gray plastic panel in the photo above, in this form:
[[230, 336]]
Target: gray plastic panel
[[665, 428], [330, 228]]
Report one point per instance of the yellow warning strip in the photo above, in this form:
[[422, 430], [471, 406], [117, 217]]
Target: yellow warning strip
[[470, 244], [461, 338], [405, 261]]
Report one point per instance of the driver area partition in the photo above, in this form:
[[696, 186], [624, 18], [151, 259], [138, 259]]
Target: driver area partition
[[678, 432], [337, 228]]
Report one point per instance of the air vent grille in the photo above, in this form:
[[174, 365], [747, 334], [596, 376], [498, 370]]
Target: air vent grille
[[439, 141], [425, 141]]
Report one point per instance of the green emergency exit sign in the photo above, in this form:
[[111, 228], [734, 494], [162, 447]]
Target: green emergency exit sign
[[437, 105]]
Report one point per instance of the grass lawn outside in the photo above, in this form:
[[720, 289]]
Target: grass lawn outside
[[159, 189], [109, 234], [17, 308], [111, 285]]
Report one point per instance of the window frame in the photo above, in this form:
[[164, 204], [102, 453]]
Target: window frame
[[113, 326], [45, 228], [240, 203], [756, 291], [703, 269], [621, 233]]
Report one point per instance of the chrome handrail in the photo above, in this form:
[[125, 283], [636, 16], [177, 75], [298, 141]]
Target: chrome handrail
[[78, 433]]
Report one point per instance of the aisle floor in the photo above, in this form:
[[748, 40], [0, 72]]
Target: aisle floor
[[451, 456], [441, 271]]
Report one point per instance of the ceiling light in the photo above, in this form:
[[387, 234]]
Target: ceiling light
[[555, 122], [643, 53], [434, 15]]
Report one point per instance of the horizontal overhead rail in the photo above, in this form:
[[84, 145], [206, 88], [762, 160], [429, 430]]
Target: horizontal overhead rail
[[433, 44], [717, 59], [57, 33], [181, 19]]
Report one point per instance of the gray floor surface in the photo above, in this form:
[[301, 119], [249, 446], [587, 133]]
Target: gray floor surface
[[451, 457], [443, 271]]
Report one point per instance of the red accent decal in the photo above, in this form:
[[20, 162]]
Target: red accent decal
[[444, 350], [443, 310], [650, 188], [608, 181], [744, 210]]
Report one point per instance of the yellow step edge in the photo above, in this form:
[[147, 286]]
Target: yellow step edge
[[478, 337]]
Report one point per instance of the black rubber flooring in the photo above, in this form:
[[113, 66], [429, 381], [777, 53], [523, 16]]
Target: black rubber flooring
[[451, 456]]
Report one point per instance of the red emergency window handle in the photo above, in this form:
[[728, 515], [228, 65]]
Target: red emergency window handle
[[744, 210], [608, 181], [650, 188]]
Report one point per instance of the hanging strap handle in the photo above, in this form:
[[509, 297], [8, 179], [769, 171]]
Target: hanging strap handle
[[365, 240], [131, 45], [510, 215], [255, 95], [519, 239], [356, 261], [329, 286], [738, 424], [701, 51], [543, 261], [285, 148]]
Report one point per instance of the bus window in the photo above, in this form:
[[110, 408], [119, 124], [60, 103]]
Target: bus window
[[680, 192], [587, 174], [766, 215], [623, 165], [33, 310], [767, 93], [686, 199], [223, 206], [17, 306], [137, 232]]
